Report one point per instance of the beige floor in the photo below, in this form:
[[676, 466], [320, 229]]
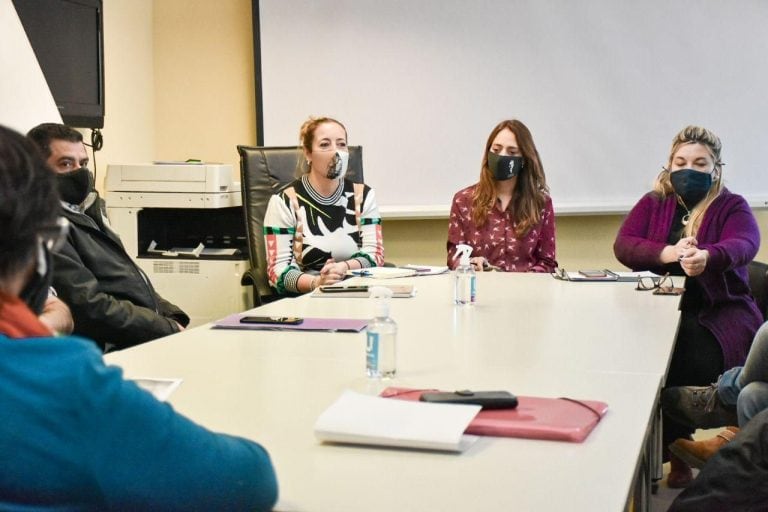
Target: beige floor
[[664, 496]]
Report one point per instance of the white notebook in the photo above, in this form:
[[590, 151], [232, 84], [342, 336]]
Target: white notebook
[[355, 418]]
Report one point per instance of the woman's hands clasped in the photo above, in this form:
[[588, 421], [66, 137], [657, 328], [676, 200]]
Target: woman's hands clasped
[[692, 259]]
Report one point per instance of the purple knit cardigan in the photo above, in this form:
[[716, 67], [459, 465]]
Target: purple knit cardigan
[[729, 232]]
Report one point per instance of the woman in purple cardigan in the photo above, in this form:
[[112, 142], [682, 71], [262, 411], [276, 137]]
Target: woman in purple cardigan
[[691, 225]]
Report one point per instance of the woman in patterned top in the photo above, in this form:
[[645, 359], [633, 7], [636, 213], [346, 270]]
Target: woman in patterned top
[[322, 225], [507, 217]]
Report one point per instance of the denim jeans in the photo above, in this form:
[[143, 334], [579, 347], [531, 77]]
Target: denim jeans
[[746, 386]]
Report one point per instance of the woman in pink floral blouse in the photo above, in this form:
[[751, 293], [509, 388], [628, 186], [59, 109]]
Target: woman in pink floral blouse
[[507, 217]]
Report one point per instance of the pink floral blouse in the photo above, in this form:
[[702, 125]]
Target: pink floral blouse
[[496, 240]]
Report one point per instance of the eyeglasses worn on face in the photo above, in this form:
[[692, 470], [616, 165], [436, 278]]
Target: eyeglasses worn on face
[[53, 236], [653, 283]]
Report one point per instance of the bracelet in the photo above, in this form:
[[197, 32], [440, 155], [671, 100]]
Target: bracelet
[[312, 284], [346, 264]]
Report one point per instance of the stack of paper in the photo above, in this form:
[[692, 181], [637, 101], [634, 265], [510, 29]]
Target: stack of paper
[[355, 418]]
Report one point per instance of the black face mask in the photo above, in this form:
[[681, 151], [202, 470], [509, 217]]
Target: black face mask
[[35, 292], [690, 185], [504, 167], [74, 186]]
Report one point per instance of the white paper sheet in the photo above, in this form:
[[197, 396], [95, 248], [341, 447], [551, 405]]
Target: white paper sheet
[[356, 418], [160, 388]]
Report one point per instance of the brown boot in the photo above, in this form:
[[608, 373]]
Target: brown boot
[[697, 453], [680, 474]]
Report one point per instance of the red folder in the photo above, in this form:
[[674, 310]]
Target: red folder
[[559, 419]]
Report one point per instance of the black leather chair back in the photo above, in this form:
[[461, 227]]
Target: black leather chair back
[[758, 283], [265, 171]]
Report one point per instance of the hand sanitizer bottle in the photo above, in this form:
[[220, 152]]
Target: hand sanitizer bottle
[[381, 338], [465, 291]]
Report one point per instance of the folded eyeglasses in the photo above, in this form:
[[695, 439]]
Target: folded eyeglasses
[[653, 283]]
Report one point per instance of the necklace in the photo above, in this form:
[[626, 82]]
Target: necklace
[[687, 216]]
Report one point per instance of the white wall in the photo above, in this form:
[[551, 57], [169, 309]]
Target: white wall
[[603, 85], [25, 99]]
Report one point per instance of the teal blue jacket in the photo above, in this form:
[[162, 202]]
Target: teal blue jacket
[[74, 435]]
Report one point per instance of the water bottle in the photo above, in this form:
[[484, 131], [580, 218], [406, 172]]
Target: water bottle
[[465, 280], [381, 338]]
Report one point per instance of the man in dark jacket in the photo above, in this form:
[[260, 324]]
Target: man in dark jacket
[[111, 299]]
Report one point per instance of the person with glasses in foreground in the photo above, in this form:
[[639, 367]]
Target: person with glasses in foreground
[[75, 435], [691, 225]]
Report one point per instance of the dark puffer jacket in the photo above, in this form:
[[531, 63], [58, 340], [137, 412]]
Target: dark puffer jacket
[[111, 299]]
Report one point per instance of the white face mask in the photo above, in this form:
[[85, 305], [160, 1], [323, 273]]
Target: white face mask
[[337, 167]]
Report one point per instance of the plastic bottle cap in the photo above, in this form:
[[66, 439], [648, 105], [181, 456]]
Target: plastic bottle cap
[[463, 252], [382, 294]]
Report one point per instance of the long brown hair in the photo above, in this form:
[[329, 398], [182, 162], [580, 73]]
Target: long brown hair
[[663, 185], [530, 194]]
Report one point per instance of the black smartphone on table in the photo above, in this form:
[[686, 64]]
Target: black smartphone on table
[[485, 399], [284, 320], [343, 289]]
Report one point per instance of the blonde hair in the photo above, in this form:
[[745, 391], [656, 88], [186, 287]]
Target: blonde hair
[[663, 186], [307, 136]]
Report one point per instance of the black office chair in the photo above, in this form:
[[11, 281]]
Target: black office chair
[[265, 171], [758, 283]]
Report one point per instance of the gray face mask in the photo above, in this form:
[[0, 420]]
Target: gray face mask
[[504, 167], [337, 167]]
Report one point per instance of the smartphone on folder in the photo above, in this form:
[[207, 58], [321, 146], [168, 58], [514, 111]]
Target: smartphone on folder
[[284, 320], [486, 399]]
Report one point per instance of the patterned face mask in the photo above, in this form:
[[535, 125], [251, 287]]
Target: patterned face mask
[[337, 167], [504, 167]]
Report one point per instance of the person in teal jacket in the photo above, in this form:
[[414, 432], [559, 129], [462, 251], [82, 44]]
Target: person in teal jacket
[[74, 434]]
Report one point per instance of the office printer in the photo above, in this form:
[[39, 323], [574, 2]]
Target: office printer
[[184, 225]]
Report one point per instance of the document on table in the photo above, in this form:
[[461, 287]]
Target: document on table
[[308, 324], [160, 388], [427, 270], [355, 418], [382, 272], [601, 275]]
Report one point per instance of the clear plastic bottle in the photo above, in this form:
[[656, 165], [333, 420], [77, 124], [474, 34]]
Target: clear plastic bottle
[[381, 338], [465, 280]]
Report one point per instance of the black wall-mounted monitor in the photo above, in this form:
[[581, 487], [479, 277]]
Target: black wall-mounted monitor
[[68, 39]]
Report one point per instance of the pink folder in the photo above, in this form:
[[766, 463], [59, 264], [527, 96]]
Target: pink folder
[[559, 419]]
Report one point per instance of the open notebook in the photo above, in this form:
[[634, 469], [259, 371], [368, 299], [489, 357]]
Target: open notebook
[[560, 419]]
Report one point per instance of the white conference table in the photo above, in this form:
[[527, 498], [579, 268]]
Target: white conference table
[[529, 334]]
